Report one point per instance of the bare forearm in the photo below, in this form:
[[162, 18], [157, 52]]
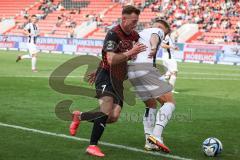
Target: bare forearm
[[166, 46], [154, 41], [26, 32], [114, 59]]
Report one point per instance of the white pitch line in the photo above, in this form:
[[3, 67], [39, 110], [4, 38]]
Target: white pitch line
[[180, 77], [87, 140], [209, 74], [35, 76], [210, 78], [210, 68]]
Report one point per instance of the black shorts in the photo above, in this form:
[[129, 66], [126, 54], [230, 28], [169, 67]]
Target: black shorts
[[107, 86]]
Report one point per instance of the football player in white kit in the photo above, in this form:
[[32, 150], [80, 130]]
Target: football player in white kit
[[31, 30], [148, 85], [169, 62]]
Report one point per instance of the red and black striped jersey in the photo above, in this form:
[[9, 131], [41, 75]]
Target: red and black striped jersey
[[117, 41]]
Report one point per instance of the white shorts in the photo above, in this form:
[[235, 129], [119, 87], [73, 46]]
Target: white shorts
[[146, 81], [170, 64], [32, 48]]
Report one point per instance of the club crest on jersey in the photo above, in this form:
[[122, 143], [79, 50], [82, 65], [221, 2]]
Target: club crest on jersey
[[111, 46]]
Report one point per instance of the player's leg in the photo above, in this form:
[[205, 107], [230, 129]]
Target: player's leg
[[149, 116], [99, 119], [33, 51], [164, 114], [149, 121], [89, 116], [167, 74], [111, 107], [105, 94], [173, 78], [172, 67], [25, 56], [34, 62], [110, 102], [115, 114]]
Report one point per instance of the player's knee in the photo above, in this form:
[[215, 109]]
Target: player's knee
[[34, 55], [106, 104], [151, 103], [167, 98], [113, 118], [115, 114], [174, 73], [171, 105]]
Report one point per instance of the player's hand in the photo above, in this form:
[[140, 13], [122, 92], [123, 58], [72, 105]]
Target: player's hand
[[152, 53], [133, 58], [176, 48], [91, 77], [137, 48]]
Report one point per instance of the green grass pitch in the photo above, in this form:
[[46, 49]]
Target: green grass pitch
[[208, 105]]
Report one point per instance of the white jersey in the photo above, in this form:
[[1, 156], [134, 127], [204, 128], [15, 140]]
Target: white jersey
[[33, 30], [168, 53], [145, 36]]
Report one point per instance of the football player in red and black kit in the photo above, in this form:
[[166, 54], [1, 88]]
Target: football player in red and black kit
[[120, 44]]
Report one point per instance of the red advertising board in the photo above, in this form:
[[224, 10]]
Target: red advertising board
[[89, 49], [7, 44], [49, 47], [199, 56], [201, 52]]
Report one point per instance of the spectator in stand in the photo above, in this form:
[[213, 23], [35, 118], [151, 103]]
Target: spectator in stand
[[24, 13], [208, 14], [71, 33], [70, 23], [59, 7], [73, 11], [60, 20], [22, 25], [237, 28]]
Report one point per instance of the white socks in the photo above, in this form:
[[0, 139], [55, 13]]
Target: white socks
[[34, 61], [149, 121], [26, 56], [172, 80], [164, 114]]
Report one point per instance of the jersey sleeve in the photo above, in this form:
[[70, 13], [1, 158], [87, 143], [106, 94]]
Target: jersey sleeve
[[27, 27], [111, 42], [161, 35], [166, 40], [171, 42]]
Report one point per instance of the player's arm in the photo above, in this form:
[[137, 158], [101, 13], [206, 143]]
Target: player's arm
[[38, 32], [25, 30], [154, 42], [165, 46], [114, 58], [111, 45]]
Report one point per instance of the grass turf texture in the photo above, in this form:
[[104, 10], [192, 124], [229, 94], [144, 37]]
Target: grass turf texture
[[207, 105]]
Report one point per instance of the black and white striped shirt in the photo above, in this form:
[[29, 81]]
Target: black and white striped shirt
[[167, 53], [33, 30]]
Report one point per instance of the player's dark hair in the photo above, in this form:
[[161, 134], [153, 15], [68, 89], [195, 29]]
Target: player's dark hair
[[129, 9], [164, 22], [34, 16]]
